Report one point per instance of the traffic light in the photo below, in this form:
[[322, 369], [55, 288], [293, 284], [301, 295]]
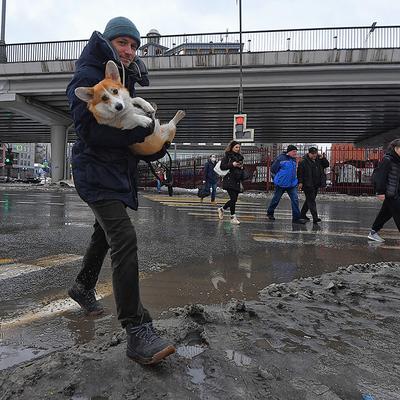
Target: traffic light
[[9, 158], [240, 132], [239, 125]]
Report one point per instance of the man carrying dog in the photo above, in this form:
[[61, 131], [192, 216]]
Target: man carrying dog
[[105, 172], [311, 176]]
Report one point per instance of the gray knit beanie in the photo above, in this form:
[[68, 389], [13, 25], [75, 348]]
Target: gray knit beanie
[[121, 26]]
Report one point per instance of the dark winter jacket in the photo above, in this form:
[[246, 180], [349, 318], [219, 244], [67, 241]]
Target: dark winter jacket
[[209, 174], [103, 166], [311, 173], [236, 174], [387, 176], [283, 170]]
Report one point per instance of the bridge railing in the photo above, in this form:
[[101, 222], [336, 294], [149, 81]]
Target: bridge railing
[[220, 42]]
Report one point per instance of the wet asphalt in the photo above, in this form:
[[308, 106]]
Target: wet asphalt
[[187, 255]]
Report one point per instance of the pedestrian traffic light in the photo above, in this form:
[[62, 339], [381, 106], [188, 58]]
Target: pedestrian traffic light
[[240, 132], [9, 158]]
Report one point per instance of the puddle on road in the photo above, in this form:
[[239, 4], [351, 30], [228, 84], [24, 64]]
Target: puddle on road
[[213, 281]]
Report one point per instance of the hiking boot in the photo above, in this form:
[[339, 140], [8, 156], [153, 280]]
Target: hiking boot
[[220, 213], [270, 217], [86, 299], [315, 221], [145, 346], [306, 218], [234, 220], [374, 236]]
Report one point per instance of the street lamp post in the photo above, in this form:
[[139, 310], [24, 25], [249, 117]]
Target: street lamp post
[[240, 98]]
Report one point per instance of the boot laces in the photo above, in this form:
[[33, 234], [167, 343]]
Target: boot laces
[[146, 332]]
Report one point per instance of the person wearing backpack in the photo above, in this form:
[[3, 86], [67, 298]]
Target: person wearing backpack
[[386, 178]]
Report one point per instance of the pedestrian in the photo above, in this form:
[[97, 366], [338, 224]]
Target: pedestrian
[[387, 187], [211, 177], [311, 176], [160, 172], [105, 176], [283, 170], [232, 182]]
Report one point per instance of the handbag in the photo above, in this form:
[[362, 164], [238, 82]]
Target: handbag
[[219, 171], [202, 192]]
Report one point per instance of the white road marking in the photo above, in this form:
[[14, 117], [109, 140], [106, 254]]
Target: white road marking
[[12, 270]]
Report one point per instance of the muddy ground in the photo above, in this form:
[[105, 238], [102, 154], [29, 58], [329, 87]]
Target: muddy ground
[[330, 337]]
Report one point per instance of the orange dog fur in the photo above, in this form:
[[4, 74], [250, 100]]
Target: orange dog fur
[[111, 105]]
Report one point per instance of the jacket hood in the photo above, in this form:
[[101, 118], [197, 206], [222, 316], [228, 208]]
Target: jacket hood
[[394, 156], [99, 50]]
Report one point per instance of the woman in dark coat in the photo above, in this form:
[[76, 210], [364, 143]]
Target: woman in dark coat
[[233, 161], [387, 188]]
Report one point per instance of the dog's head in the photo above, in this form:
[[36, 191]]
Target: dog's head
[[108, 98]]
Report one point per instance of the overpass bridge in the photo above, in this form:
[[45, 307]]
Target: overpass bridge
[[319, 85]]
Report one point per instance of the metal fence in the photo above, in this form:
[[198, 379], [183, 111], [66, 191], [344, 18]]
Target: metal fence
[[221, 42], [350, 169]]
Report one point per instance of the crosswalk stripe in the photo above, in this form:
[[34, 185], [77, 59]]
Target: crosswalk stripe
[[12, 270]]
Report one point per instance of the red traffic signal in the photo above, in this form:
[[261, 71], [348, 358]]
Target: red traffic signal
[[239, 120]]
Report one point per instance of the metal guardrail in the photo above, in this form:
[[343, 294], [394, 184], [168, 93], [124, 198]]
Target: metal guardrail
[[350, 170], [221, 42]]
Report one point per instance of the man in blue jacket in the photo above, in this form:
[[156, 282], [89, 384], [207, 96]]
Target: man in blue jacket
[[284, 173], [105, 176]]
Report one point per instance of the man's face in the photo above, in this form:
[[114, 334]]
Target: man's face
[[292, 153], [313, 156], [126, 48]]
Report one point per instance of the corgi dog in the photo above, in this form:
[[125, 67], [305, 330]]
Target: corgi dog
[[111, 105]]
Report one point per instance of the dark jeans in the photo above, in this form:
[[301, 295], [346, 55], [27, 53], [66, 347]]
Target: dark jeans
[[294, 199], [113, 230], [211, 187], [390, 209], [231, 203], [309, 203]]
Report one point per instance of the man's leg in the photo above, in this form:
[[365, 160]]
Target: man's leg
[[304, 209], [83, 290], [93, 259], [143, 344], [275, 200], [383, 216], [311, 204], [213, 191], [294, 198], [121, 237], [394, 205]]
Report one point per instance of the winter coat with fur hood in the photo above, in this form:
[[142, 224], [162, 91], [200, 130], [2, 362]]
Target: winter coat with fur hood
[[103, 166]]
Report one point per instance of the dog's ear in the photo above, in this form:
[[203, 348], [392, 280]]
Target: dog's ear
[[84, 93], [112, 71]]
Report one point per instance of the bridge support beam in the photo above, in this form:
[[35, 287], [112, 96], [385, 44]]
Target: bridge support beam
[[58, 157], [382, 139]]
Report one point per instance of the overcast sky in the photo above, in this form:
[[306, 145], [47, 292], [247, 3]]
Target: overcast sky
[[48, 20]]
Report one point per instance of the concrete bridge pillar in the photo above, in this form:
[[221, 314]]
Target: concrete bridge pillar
[[58, 141]]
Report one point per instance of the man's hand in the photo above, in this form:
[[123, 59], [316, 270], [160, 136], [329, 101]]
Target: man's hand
[[300, 186], [381, 197]]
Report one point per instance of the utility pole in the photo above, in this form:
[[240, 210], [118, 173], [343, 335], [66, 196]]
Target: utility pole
[[3, 55], [3, 23], [240, 98]]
